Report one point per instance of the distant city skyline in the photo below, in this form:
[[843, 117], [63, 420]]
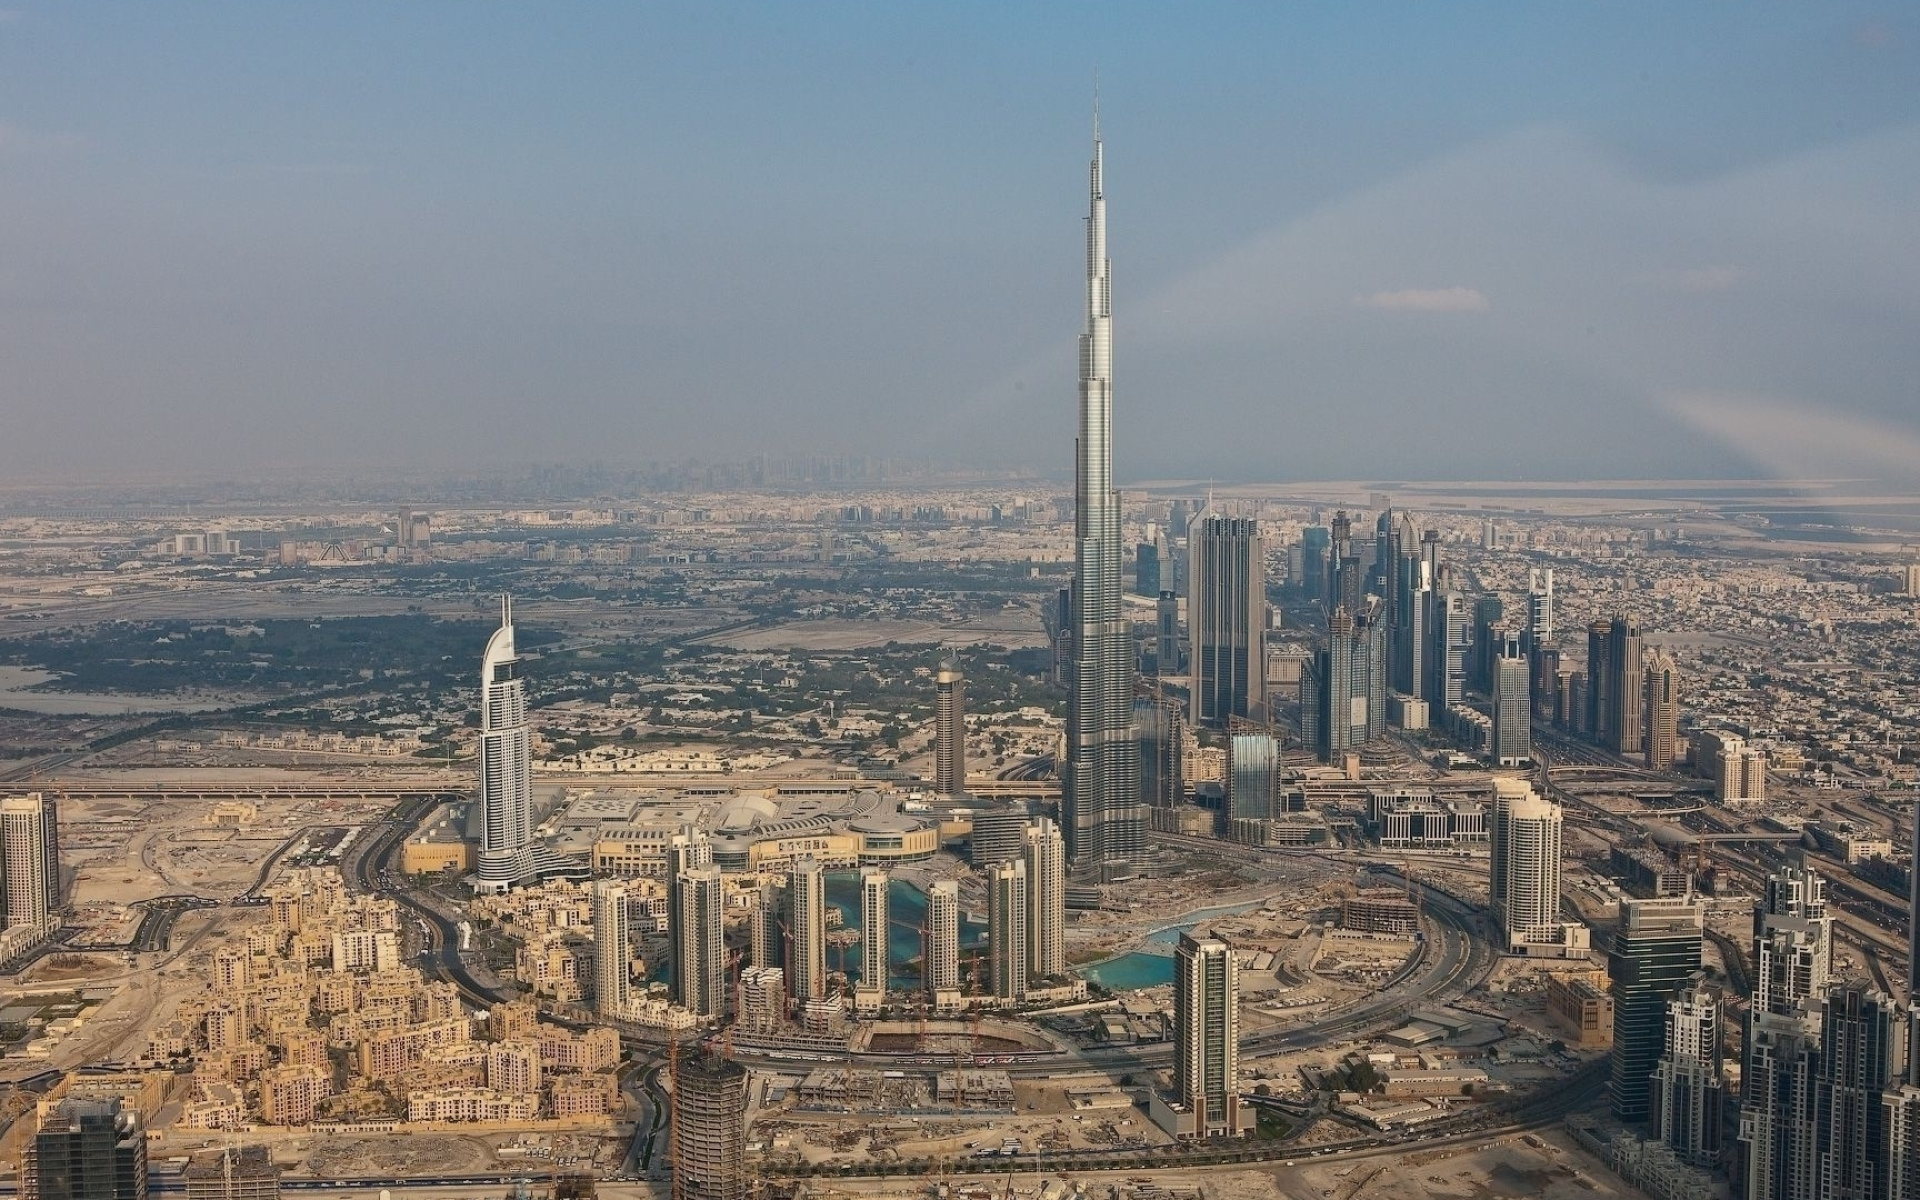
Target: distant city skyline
[[1644, 241]]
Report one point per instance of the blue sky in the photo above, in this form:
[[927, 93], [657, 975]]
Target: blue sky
[[1379, 241]]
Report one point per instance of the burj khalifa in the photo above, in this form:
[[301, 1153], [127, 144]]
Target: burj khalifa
[[1103, 820]]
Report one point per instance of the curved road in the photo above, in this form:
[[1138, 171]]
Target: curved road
[[1451, 961]]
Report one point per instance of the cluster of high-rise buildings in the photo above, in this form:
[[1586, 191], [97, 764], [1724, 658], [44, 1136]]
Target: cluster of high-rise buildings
[[1829, 1097], [1404, 644], [1407, 643], [1830, 1090], [1626, 698], [1025, 953]]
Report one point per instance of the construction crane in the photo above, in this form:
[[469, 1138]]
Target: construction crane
[[726, 1029]]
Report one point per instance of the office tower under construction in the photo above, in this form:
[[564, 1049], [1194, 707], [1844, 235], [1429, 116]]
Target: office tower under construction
[[710, 1130]]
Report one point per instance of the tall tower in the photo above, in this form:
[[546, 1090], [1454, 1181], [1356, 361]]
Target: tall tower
[[807, 932], [765, 925], [612, 949], [1539, 608], [1316, 544], [1344, 584], [1512, 705], [1662, 691], [29, 863], [1655, 951], [1450, 631], [1157, 728], [700, 963], [1411, 584], [1386, 551], [941, 959], [1526, 845], [1105, 825], [1046, 863], [710, 1130], [1206, 1021], [874, 928], [1342, 685], [87, 1150], [1793, 960], [1689, 1080], [1624, 700], [1862, 1057], [506, 763], [1227, 621], [1166, 633], [949, 729], [688, 850], [1253, 776], [1792, 939], [1009, 932], [1599, 682], [1903, 1121]]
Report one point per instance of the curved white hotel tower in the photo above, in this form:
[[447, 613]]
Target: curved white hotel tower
[[1104, 824], [506, 763]]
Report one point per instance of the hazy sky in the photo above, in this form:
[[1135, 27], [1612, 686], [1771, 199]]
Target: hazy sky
[[1349, 241]]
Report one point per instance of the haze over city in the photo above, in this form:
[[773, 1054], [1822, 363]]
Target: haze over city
[[1491, 241], [609, 602]]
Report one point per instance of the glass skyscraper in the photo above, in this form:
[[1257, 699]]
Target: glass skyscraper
[[1227, 621], [87, 1150], [1102, 818]]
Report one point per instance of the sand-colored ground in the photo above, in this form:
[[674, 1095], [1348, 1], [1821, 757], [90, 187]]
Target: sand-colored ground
[[123, 852], [1043, 1118], [1546, 1166]]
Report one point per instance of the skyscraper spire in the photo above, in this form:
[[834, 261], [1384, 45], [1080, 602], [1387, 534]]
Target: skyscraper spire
[[1104, 824]]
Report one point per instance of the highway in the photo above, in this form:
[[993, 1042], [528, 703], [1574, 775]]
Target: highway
[[1872, 921], [35, 768], [1541, 1109], [1451, 961], [164, 1181], [368, 868]]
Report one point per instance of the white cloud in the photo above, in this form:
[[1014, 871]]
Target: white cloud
[[1449, 300]]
